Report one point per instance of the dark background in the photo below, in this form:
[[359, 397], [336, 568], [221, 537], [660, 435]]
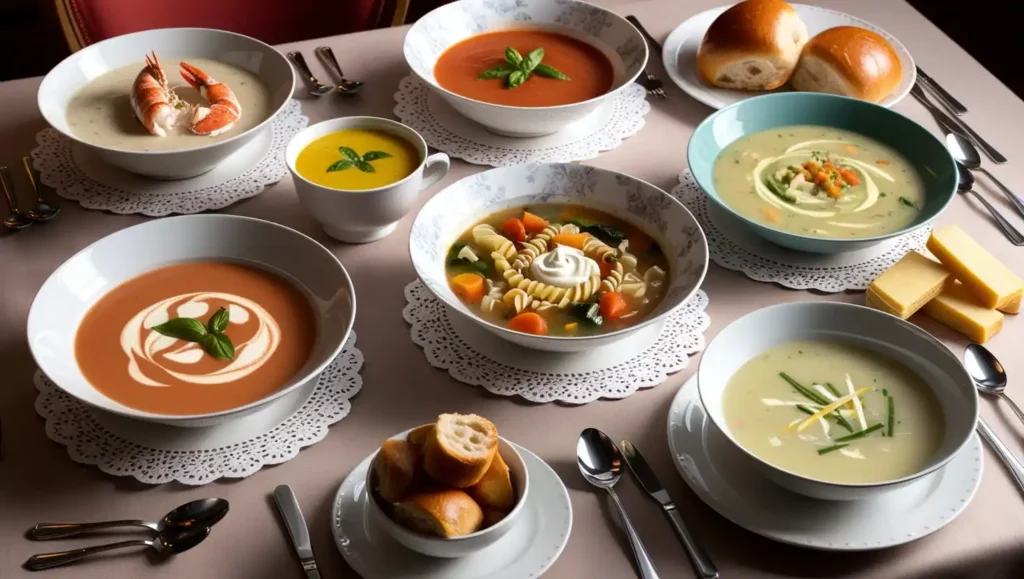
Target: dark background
[[31, 41]]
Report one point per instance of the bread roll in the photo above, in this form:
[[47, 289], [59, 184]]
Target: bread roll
[[418, 436], [396, 467], [461, 449], [494, 490], [450, 513], [754, 45], [493, 517], [849, 61]]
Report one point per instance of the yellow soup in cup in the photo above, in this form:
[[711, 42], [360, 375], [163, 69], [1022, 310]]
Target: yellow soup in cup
[[357, 160]]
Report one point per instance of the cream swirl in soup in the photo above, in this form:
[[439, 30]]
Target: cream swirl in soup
[[563, 266]]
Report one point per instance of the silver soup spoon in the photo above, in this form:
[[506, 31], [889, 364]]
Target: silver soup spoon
[[315, 88], [345, 86], [965, 152], [200, 513], [966, 186], [42, 211], [601, 464], [15, 219], [988, 376], [169, 542]]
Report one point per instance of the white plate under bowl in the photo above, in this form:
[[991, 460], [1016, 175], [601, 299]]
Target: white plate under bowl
[[680, 54], [712, 467], [528, 550]]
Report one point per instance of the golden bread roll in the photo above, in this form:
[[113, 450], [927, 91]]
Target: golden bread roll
[[849, 61], [451, 513], [396, 467], [754, 45], [493, 517], [494, 490], [418, 436], [460, 450]]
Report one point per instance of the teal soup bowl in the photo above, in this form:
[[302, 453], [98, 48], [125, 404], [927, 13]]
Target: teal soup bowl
[[925, 153]]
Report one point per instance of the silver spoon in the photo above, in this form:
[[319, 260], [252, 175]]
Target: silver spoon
[[200, 513], [42, 211], [988, 371], [315, 88], [345, 85], [966, 184], [15, 219], [169, 542], [965, 152], [601, 464]]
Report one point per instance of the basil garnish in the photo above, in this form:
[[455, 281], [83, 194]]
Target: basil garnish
[[352, 159], [516, 70], [211, 336]]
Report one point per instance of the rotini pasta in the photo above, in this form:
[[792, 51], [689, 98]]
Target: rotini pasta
[[530, 250], [490, 240], [598, 250], [611, 281]]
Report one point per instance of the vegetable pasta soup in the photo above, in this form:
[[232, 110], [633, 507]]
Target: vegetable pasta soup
[[559, 270], [819, 182]]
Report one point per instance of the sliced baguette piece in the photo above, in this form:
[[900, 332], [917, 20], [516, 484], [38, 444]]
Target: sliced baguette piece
[[396, 466], [461, 449], [418, 436], [494, 490], [493, 517], [449, 513]]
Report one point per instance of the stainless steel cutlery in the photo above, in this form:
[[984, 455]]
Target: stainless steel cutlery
[[651, 83], [941, 94], [296, 524], [316, 88], [956, 125]]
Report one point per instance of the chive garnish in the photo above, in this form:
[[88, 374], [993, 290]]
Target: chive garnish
[[892, 415], [832, 389], [829, 449], [860, 434], [805, 410], [817, 399]]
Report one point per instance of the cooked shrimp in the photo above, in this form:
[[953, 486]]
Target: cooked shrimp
[[152, 101], [224, 110]]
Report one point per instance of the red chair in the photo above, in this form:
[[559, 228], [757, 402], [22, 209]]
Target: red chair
[[273, 21]]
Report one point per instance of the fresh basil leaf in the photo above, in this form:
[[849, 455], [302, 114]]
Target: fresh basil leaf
[[513, 57], [365, 167], [516, 78], [350, 153], [187, 329], [500, 71], [532, 60], [218, 321], [340, 166], [374, 155], [549, 72], [219, 346]]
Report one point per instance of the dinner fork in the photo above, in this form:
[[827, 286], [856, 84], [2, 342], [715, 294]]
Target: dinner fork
[[648, 80]]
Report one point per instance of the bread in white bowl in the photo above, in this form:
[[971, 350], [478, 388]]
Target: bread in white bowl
[[754, 45], [849, 61], [460, 450]]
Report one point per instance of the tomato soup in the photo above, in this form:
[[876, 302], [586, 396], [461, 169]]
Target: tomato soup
[[161, 342], [590, 73], [357, 160]]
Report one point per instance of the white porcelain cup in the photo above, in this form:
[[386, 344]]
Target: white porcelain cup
[[370, 214]]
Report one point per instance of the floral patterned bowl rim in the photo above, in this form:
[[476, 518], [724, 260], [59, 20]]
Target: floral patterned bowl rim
[[447, 215]]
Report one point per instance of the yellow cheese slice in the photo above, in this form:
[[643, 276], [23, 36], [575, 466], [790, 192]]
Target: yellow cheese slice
[[995, 286], [906, 286], [957, 308]]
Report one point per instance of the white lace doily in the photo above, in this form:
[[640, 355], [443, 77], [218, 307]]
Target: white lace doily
[[156, 453], [446, 130], [76, 173], [733, 246], [474, 356]]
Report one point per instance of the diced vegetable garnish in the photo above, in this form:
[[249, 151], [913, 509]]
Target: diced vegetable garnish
[[613, 305], [778, 189], [571, 327], [529, 323], [607, 233], [771, 214], [587, 313], [469, 287], [514, 229], [906, 201], [571, 239], [533, 223]]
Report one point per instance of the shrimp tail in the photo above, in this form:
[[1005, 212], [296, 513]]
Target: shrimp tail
[[224, 110]]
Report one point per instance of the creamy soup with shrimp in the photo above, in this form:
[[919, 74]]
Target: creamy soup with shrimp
[[101, 114], [819, 182], [834, 412], [559, 270]]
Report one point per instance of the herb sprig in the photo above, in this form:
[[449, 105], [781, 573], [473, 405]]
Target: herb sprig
[[354, 159], [516, 69], [211, 336]]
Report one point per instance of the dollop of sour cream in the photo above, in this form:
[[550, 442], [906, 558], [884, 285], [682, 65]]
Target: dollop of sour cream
[[563, 266]]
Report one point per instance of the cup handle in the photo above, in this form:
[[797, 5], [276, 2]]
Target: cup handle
[[434, 169]]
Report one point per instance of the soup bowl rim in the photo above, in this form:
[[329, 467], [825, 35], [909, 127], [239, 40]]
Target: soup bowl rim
[[845, 101], [301, 377], [938, 347], [526, 25], [607, 336], [213, 31], [355, 119]]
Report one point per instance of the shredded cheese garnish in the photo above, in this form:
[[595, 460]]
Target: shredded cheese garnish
[[857, 408], [828, 409]]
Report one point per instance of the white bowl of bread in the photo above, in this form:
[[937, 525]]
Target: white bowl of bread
[[447, 489]]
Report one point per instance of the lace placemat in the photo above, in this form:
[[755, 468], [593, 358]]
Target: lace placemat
[[733, 246], [474, 356], [156, 453], [445, 129], [76, 173]]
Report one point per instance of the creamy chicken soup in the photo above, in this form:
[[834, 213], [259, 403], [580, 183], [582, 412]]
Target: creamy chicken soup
[[820, 182], [834, 412]]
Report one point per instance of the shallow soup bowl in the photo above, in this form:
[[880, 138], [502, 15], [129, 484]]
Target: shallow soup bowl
[[446, 26], [924, 153], [170, 45], [69, 294], [456, 208], [859, 326], [363, 215]]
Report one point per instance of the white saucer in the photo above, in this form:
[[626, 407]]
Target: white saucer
[[704, 458], [680, 54], [528, 550]]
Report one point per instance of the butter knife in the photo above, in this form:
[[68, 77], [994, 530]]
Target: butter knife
[[643, 473], [292, 515]]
